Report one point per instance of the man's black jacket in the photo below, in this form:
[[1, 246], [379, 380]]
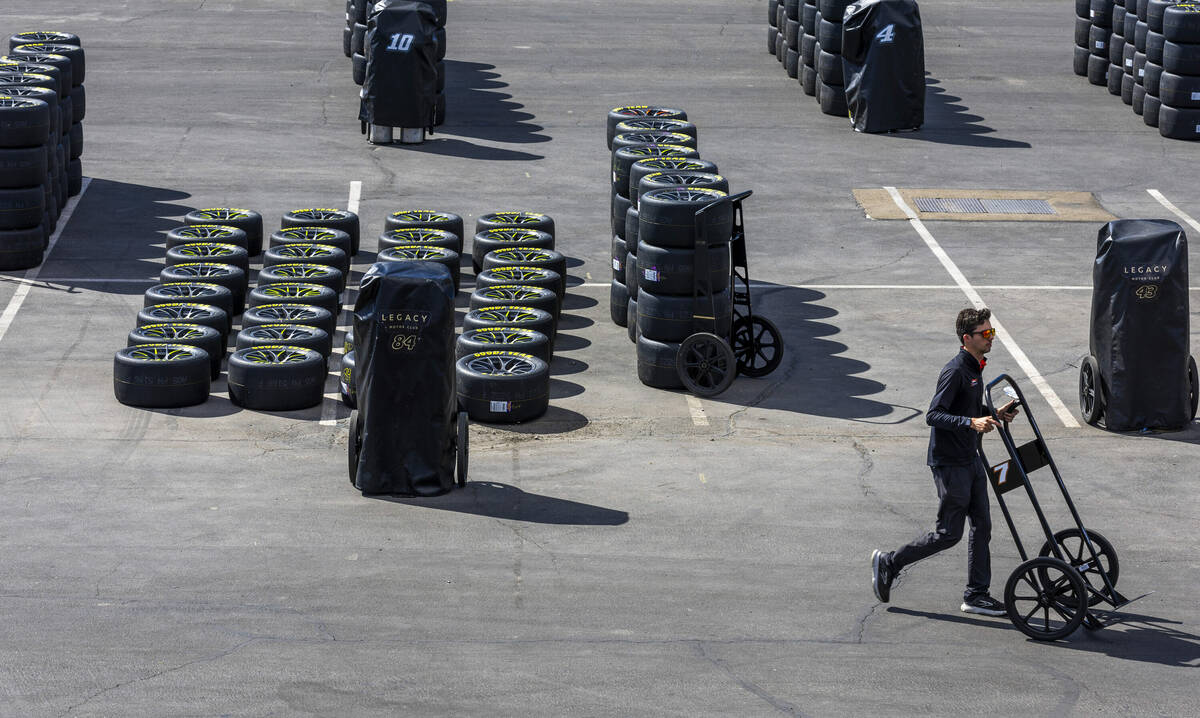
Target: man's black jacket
[[958, 399]]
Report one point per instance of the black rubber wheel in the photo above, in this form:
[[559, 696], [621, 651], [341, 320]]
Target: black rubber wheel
[[620, 210], [502, 386], [21, 248], [808, 81], [623, 159], [1179, 124], [511, 316], [226, 275], [358, 34], [650, 165], [1139, 97], [531, 276], [276, 377], [618, 115], [1045, 598], [358, 69], [52, 36], [426, 219], [342, 219], [462, 447], [297, 335], [618, 303], [23, 166], [207, 233], [323, 254], [1115, 73], [33, 92], [650, 137], [21, 207], [74, 178], [1179, 91], [196, 335], [631, 328], [246, 220], [669, 271], [516, 295], [215, 252], [1193, 388], [76, 139], [706, 364], [424, 236], [791, 35], [758, 346], [1155, 44], [529, 257], [1152, 77], [656, 363], [1091, 396], [186, 312], [494, 238], [513, 339], [9, 78], [658, 124], [1150, 109], [317, 295], [354, 446], [1181, 58], [312, 235], [448, 258], [346, 386], [322, 274], [195, 292], [687, 178], [1180, 22], [673, 318], [1074, 551], [284, 313], [619, 249], [74, 53], [347, 40], [631, 274], [161, 376], [1083, 28], [667, 217], [348, 340]]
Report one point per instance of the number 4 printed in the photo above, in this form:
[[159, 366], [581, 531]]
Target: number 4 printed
[[887, 34]]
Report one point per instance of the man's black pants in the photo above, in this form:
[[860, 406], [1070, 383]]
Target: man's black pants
[[962, 495]]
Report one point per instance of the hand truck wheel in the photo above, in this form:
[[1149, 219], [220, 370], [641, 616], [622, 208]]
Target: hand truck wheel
[[706, 364], [463, 448], [1045, 598], [1193, 388], [758, 346], [1074, 550], [353, 445], [1091, 398]]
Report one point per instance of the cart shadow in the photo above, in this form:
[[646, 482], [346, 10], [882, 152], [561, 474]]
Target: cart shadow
[[502, 501], [556, 420], [949, 123], [816, 377], [1146, 639]]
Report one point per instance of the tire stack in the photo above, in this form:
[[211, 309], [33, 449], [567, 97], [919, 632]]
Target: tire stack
[[1148, 53], [64, 51], [507, 340], [806, 36], [354, 37], [808, 48], [830, 85]]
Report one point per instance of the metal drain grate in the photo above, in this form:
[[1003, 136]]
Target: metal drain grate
[[973, 205]]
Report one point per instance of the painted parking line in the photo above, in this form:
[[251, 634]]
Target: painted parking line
[[22, 291], [1171, 206], [699, 418], [973, 296]]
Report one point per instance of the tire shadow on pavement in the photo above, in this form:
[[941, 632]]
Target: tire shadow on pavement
[[948, 122], [502, 501]]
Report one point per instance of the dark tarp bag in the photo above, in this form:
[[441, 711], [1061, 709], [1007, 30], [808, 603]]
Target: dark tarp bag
[[883, 61], [404, 377], [1139, 329], [400, 88]]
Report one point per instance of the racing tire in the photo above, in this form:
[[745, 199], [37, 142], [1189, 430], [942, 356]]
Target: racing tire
[[673, 319], [516, 295], [808, 81], [631, 321], [207, 233], [341, 219], [298, 335], [74, 178], [246, 220], [21, 248], [318, 295], [1150, 109], [667, 217], [531, 276], [1179, 91], [346, 386], [193, 292], [538, 320], [619, 250], [23, 166], [51, 36], [618, 303], [511, 339], [214, 252], [187, 313], [22, 207], [312, 235], [529, 257], [322, 254], [494, 238], [623, 159], [684, 178], [74, 53], [1179, 124], [1180, 22], [424, 236], [671, 271], [24, 122], [502, 387], [619, 114], [322, 274], [161, 376], [655, 124], [656, 363], [226, 275], [650, 165], [1181, 58], [196, 335], [631, 275], [284, 313], [448, 258], [276, 377]]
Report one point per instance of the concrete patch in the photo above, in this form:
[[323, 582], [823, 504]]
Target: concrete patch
[[1066, 206]]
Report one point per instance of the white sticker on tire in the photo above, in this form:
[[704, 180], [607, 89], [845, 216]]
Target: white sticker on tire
[[1100, 45], [651, 275], [501, 407], [1196, 95]]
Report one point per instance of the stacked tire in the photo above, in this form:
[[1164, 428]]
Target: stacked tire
[[64, 51], [808, 48], [354, 41], [1148, 53], [830, 84]]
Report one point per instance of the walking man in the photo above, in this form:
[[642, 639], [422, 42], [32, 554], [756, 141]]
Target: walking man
[[958, 420]]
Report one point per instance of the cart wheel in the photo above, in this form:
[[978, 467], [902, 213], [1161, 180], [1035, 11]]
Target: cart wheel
[[464, 449], [1193, 386], [706, 364], [353, 445], [758, 346], [1045, 598], [1074, 550], [1091, 399]]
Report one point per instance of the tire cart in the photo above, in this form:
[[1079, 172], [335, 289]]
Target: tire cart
[[1138, 373], [407, 436], [1049, 596], [718, 350]]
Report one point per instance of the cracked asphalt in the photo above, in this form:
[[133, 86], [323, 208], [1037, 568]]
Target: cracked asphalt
[[619, 556]]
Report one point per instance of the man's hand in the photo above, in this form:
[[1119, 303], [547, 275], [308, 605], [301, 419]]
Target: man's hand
[[1009, 411], [984, 424]]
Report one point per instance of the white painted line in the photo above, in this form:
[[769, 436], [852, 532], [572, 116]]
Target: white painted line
[[355, 196], [22, 291], [78, 280], [699, 418], [973, 296], [921, 287], [1171, 206]]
